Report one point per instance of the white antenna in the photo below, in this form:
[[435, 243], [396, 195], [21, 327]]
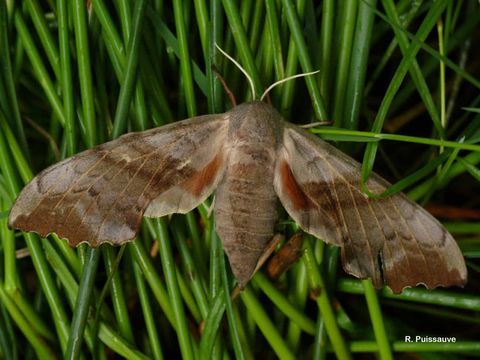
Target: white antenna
[[285, 80], [241, 69]]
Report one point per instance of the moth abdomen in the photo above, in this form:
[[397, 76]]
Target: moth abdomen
[[245, 226], [245, 202]]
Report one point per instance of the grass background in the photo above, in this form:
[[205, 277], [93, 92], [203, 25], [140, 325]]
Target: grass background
[[77, 73]]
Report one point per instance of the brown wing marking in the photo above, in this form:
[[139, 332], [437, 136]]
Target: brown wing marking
[[392, 240], [101, 194], [305, 210]]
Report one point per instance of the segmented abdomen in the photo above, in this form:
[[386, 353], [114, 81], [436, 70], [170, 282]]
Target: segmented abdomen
[[246, 208]]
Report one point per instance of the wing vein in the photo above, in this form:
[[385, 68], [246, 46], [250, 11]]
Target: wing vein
[[367, 241], [385, 241], [399, 237], [424, 257], [95, 180], [50, 189], [121, 193]]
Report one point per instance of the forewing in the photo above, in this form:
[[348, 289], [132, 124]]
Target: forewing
[[391, 240], [100, 195]]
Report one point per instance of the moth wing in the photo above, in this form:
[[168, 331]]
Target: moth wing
[[100, 195], [391, 240]]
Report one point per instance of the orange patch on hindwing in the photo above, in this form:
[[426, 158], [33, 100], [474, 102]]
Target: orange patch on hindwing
[[298, 198], [204, 177]]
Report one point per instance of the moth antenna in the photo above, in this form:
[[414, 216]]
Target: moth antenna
[[225, 86], [285, 80], [252, 87]]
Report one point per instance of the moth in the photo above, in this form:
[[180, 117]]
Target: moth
[[250, 158]]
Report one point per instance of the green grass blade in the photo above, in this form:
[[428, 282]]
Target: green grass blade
[[348, 15], [265, 325], [212, 326], [128, 86], [323, 301], [438, 297], [39, 67], [402, 70], [84, 71], [66, 77], [168, 266], [283, 304], [358, 65], [327, 37], [375, 311], [13, 113], [415, 70], [44, 34], [293, 23], [232, 323], [241, 41], [119, 345], [84, 300], [148, 314], [117, 295], [42, 350], [187, 81]]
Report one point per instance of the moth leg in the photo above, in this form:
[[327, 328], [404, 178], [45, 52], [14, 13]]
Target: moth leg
[[269, 249], [211, 207], [154, 249], [288, 255], [315, 124]]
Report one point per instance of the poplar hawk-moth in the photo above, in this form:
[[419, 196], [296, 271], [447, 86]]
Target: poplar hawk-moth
[[249, 157]]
